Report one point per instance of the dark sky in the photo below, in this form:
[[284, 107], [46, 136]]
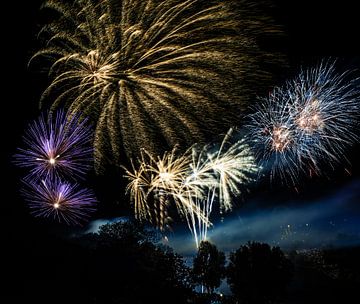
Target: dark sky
[[314, 30]]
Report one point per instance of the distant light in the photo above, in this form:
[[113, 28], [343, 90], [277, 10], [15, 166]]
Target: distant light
[[52, 161], [56, 205]]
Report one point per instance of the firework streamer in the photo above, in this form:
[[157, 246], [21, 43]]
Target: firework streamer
[[273, 136], [308, 122], [153, 73], [325, 108], [157, 184], [198, 191], [62, 201], [138, 188], [218, 173], [232, 164], [161, 205], [193, 181], [56, 146]]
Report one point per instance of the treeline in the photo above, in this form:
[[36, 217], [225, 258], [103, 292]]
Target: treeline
[[125, 263]]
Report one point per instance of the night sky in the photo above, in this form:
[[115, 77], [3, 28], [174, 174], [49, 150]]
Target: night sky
[[321, 211]]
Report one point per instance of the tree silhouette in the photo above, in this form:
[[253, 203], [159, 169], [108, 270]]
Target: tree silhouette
[[209, 266], [131, 267], [121, 264], [258, 273]]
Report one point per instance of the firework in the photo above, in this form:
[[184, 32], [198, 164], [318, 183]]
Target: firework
[[153, 73], [218, 173], [192, 181], [309, 121], [56, 146], [326, 107], [233, 165], [202, 180], [157, 183], [138, 187], [59, 200], [274, 137]]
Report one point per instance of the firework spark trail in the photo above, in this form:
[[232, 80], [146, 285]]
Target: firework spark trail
[[56, 146], [309, 121], [273, 135], [326, 112], [161, 181], [157, 183], [203, 181], [153, 73], [192, 181], [59, 200], [219, 174], [232, 167], [169, 172], [139, 183]]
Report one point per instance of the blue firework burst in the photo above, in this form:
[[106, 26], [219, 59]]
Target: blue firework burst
[[308, 122]]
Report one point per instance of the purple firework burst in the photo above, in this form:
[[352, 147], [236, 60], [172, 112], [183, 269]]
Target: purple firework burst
[[56, 146], [59, 200]]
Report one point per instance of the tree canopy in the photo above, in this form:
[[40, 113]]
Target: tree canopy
[[209, 266], [258, 273]]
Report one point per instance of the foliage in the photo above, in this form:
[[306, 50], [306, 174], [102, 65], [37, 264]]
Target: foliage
[[258, 273], [209, 266]]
